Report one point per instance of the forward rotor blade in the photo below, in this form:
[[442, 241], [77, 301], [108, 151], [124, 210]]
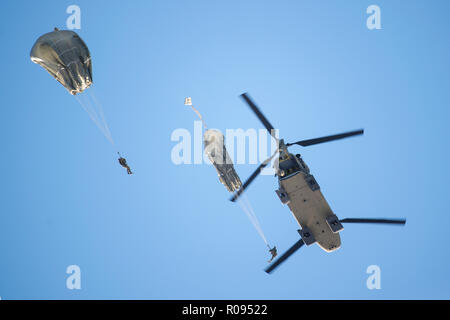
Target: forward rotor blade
[[252, 177], [259, 114], [382, 221], [310, 142], [285, 255]]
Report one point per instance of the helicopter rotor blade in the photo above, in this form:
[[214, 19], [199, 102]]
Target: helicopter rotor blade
[[259, 114], [310, 142], [285, 255], [252, 177], [381, 221]]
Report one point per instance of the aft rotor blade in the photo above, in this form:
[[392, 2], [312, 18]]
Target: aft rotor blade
[[252, 177], [310, 142], [382, 221], [285, 255], [259, 114]]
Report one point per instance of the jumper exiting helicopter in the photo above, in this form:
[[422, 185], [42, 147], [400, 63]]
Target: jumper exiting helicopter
[[300, 191]]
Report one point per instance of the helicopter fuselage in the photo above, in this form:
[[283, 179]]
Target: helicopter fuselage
[[301, 192]]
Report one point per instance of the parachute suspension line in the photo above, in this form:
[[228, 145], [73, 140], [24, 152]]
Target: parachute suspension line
[[248, 210], [90, 112], [89, 105], [102, 115], [99, 111]]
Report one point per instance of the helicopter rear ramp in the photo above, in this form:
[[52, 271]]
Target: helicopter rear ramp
[[310, 209]]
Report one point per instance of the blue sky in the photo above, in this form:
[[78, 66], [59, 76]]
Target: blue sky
[[169, 232]]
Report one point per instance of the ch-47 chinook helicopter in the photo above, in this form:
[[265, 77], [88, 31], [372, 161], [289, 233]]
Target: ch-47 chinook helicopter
[[301, 192]]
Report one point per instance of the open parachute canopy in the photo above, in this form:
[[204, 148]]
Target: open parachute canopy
[[66, 57]]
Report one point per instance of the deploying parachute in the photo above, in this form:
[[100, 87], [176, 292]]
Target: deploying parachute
[[214, 147], [66, 57], [214, 142]]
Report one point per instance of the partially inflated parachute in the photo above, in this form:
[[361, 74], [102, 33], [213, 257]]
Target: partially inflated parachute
[[66, 57], [214, 142]]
